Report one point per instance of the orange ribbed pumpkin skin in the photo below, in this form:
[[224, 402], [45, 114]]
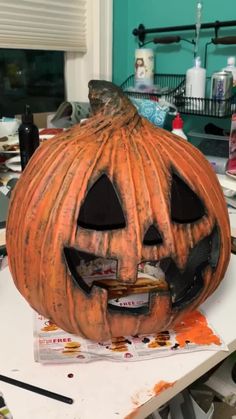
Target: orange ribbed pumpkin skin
[[139, 160]]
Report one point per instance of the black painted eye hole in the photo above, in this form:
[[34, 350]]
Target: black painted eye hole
[[101, 209], [186, 207], [152, 237]]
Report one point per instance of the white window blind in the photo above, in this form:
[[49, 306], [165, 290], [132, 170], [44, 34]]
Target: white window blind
[[43, 24]]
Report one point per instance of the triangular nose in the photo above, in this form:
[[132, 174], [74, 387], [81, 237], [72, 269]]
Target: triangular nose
[[152, 236]]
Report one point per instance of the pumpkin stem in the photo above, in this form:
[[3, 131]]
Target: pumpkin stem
[[109, 99]]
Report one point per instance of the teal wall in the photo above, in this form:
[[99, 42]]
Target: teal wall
[[174, 58]]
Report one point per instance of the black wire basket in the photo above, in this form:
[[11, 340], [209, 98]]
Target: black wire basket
[[171, 87], [205, 107], [167, 85]]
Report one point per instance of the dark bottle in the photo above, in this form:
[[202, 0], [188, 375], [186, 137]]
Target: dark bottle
[[28, 137]]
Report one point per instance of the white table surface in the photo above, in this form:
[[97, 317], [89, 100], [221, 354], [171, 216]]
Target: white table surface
[[102, 389]]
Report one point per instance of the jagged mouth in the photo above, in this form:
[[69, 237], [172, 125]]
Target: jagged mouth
[[182, 286], [133, 298]]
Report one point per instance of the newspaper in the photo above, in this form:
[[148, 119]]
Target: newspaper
[[193, 333]]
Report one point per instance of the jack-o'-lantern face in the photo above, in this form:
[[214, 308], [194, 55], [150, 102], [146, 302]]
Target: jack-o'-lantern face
[[123, 227]]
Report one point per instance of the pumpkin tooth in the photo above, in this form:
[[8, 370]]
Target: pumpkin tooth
[[117, 290], [141, 282]]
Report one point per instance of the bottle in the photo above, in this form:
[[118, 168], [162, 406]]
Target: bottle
[[28, 137], [231, 67], [195, 85], [177, 127]]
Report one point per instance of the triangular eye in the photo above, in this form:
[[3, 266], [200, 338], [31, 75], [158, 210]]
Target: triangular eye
[[152, 236], [101, 209], [186, 207]]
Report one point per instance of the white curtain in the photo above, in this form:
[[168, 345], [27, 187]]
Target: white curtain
[[58, 25]]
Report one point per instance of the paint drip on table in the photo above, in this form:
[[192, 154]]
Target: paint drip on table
[[193, 333]]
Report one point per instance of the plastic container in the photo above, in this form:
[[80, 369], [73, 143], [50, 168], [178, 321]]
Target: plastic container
[[28, 137], [196, 84], [218, 164], [177, 127]]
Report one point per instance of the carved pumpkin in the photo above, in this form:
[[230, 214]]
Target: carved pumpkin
[[120, 193]]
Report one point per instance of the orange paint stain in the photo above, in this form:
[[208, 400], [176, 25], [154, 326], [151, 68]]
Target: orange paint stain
[[133, 414], [193, 328], [161, 386], [158, 388]]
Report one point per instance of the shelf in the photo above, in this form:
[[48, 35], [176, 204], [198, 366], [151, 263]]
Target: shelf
[[206, 136], [168, 85], [172, 88]]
